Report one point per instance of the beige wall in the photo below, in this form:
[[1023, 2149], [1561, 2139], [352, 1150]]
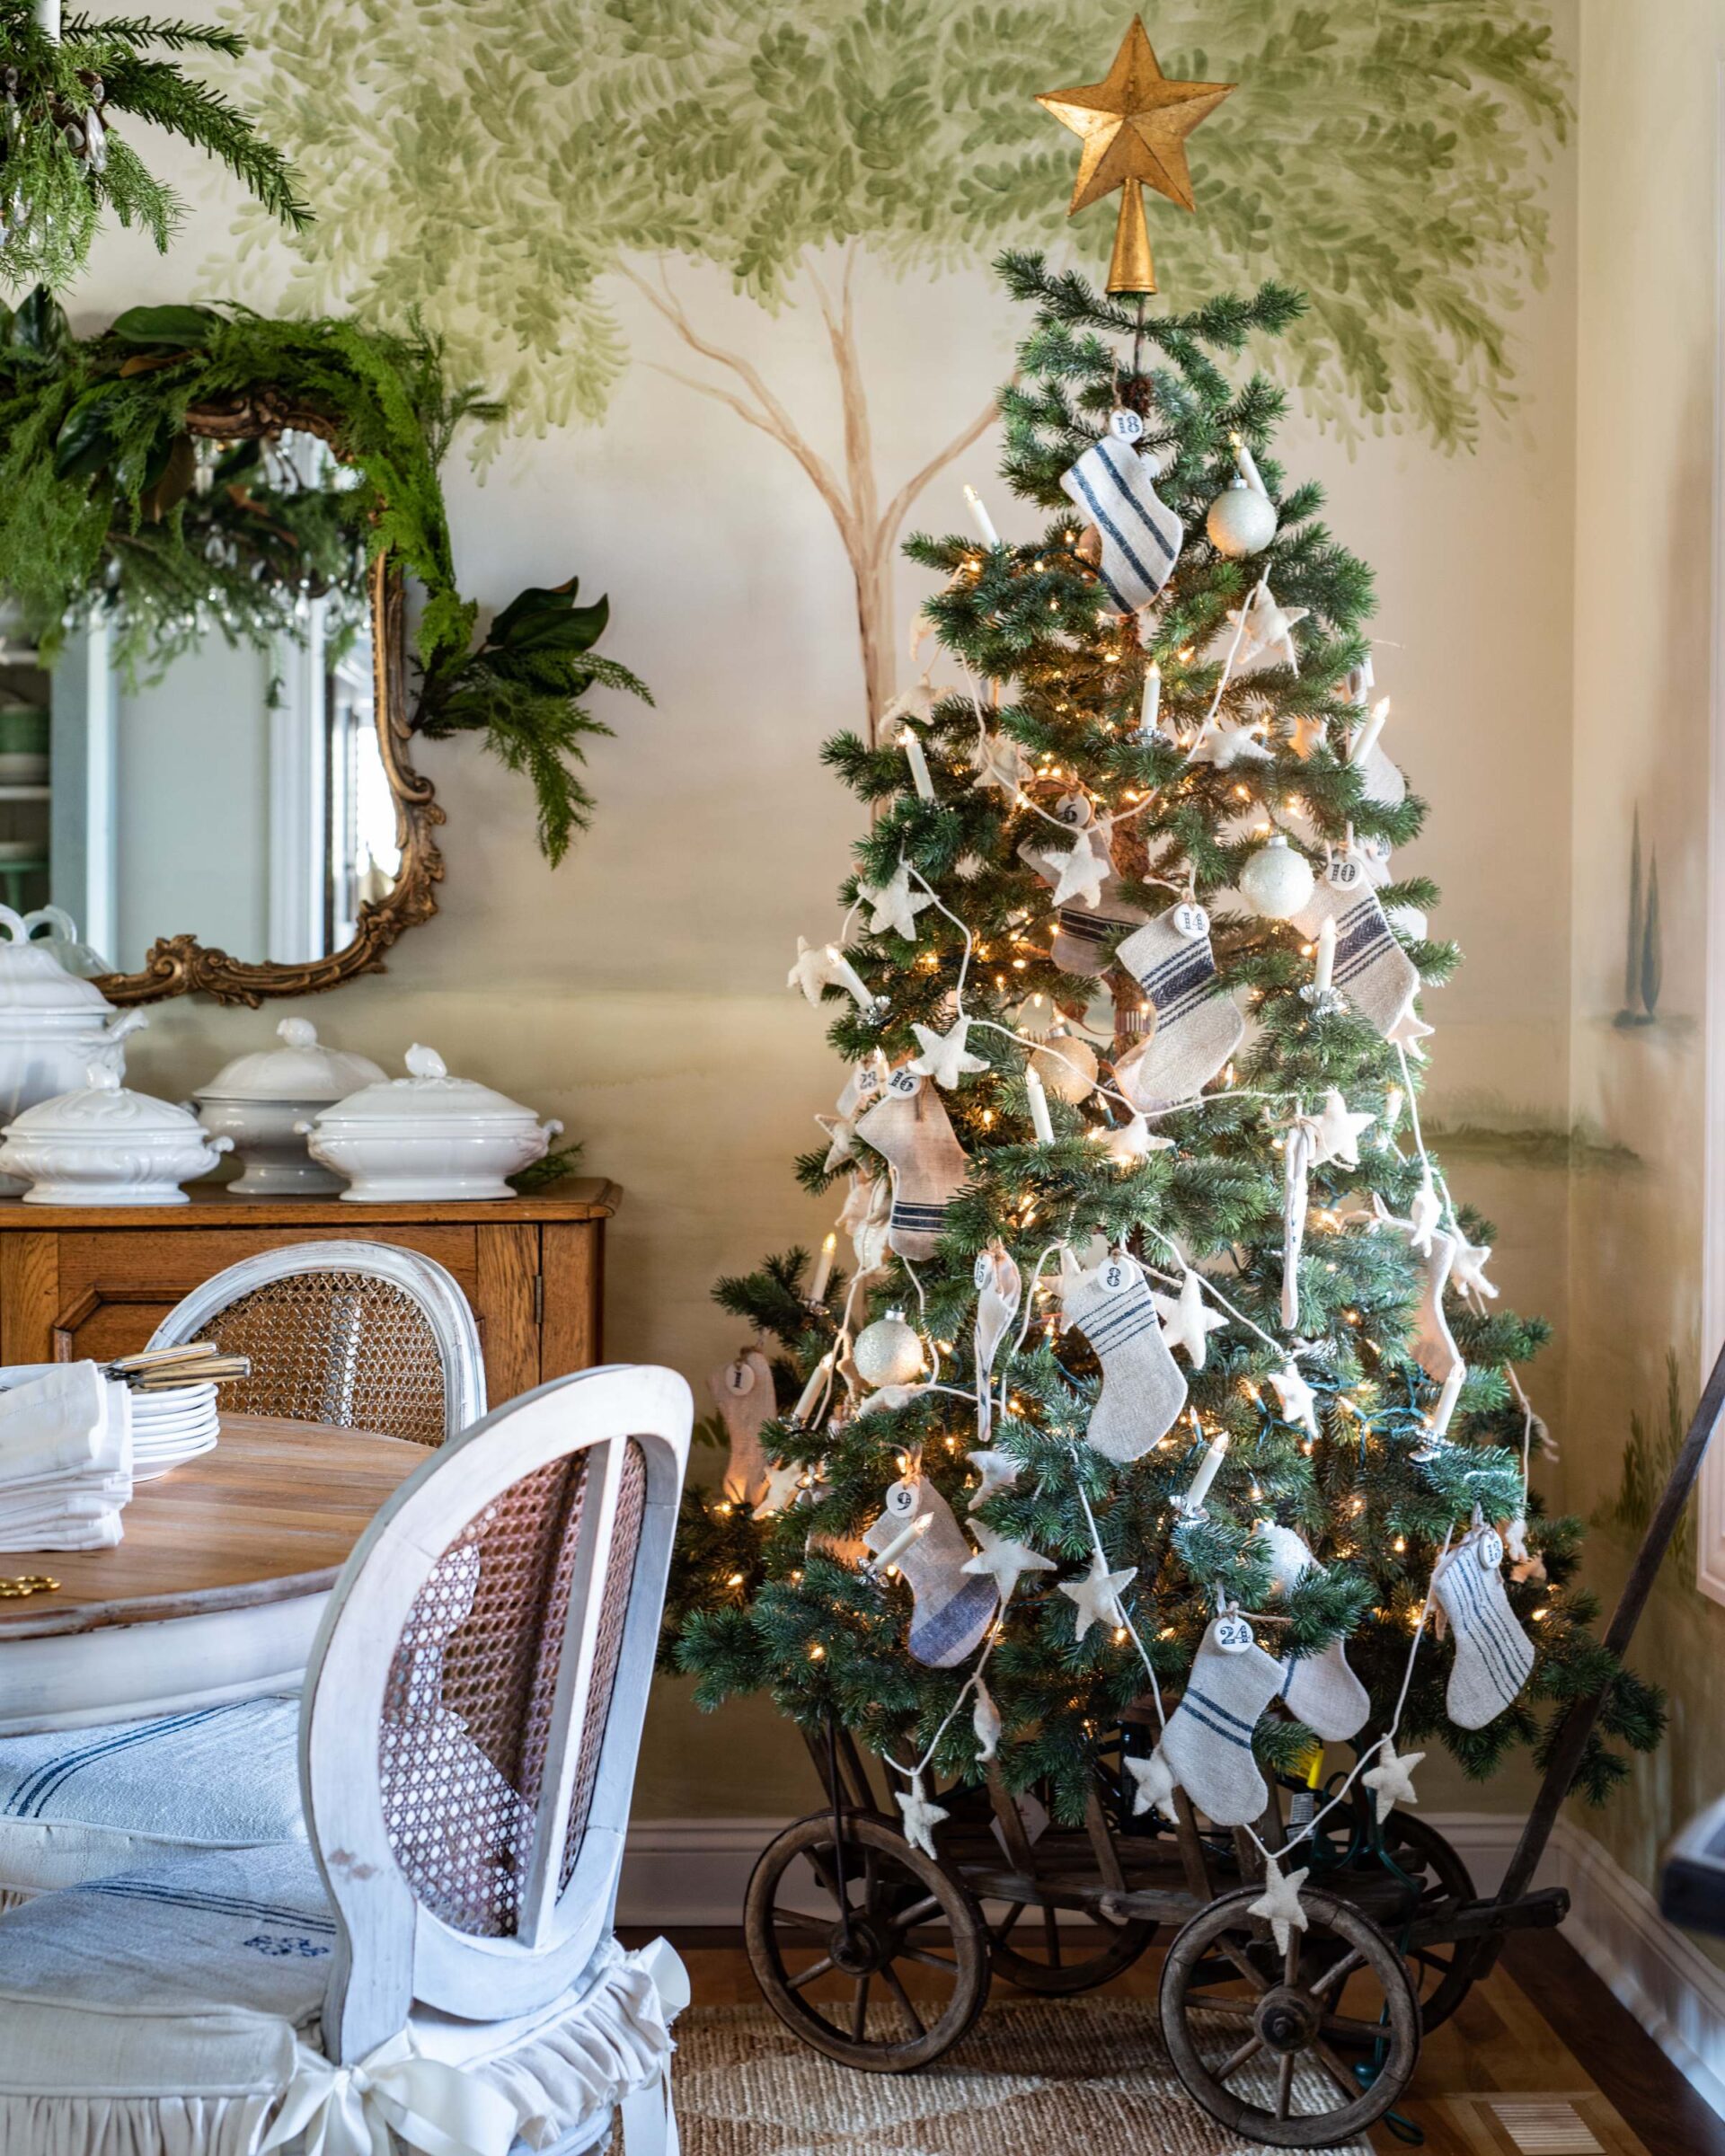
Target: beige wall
[[640, 992]]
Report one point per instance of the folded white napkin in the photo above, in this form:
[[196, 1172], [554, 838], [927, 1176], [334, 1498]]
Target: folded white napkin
[[65, 1460]]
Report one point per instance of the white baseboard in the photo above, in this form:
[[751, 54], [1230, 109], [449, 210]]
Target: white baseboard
[[686, 1873]]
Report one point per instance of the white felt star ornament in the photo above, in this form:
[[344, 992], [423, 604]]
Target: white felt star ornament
[[1268, 627], [840, 1131], [1279, 1903], [922, 1817], [812, 970], [945, 1058], [1098, 1594], [1155, 1785], [1079, 874], [1339, 1129], [1467, 1268], [781, 1487], [1298, 1404], [999, 1471], [1408, 1031], [1187, 1319], [1391, 1781], [1134, 1141], [999, 762], [1425, 1216], [1230, 744], [1004, 1560], [895, 906]]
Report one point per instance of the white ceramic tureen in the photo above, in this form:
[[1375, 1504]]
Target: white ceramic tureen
[[102, 1146], [54, 1029], [262, 1100], [427, 1135]]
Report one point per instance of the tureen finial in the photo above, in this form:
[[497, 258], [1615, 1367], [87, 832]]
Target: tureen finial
[[425, 1063], [297, 1032]]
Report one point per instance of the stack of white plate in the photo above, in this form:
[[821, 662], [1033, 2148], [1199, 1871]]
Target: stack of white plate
[[171, 1424]]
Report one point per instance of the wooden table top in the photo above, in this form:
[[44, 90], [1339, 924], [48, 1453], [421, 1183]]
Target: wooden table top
[[270, 1514], [215, 1206]]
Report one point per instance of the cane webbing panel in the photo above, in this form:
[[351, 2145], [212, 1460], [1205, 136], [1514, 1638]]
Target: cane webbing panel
[[341, 1347], [464, 1749]]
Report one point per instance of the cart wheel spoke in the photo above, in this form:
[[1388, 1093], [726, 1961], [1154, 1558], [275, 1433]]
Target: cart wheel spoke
[[1004, 1933], [1284, 2084], [798, 1919], [860, 2010], [928, 1906], [928, 1960], [1250, 2049], [1051, 1936], [1236, 2010], [1291, 1956], [1336, 1973], [1340, 2071], [1346, 2025], [903, 1997], [1243, 1961], [808, 1976]]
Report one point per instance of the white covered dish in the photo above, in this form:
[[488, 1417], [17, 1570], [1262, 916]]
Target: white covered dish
[[261, 1101], [54, 1027], [428, 1136], [102, 1146]]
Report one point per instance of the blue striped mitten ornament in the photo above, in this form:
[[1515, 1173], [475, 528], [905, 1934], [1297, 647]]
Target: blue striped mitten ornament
[[951, 1609], [909, 1127], [1208, 1741], [1113, 486], [1197, 1027], [1494, 1658], [1372, 971], [1143, 1389]]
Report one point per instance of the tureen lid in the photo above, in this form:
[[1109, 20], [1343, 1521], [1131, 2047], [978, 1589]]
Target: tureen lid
[[428, 1097], [301, 1070], [105, 1112], [33, 980]]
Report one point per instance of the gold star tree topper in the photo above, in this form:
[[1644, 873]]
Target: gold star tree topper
[[1133, 124]]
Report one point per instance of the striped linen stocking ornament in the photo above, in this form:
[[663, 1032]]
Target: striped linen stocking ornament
[[1208, 1741], [1198, 1028], [1321, 1689], [950, 1609], [1143, 1389], [1372, 970], [1082, 930], [909, 1127], [1111, 485], [1494, 1656]]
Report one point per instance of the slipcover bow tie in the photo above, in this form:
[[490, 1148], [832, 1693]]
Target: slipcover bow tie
[[352, 2110]]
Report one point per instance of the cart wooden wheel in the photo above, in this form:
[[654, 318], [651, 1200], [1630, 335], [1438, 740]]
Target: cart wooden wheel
[[1028, 1948], [1265, 2040], [864, 1948], [1442, 1970]]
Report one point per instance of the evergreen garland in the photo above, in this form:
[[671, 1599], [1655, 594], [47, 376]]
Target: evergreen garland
[[98, 513], [62, 162], [781, 1605]]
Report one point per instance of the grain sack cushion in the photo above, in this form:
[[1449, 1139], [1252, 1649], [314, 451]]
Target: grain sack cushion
[[77, 1804]]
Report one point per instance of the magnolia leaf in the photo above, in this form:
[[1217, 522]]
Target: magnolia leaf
[[186, 328], [84, 444]]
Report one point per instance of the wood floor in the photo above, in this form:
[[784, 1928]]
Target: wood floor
[[1504, 2077]]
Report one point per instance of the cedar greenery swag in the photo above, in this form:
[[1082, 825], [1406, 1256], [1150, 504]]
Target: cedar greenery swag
[[101, 510]]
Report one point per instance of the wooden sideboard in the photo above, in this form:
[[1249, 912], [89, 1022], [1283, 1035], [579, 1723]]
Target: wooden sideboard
[[95, 1281]]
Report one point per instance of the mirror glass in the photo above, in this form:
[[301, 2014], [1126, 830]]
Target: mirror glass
[[225, 781]]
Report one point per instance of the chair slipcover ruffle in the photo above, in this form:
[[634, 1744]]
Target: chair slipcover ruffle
[[81, 1804]]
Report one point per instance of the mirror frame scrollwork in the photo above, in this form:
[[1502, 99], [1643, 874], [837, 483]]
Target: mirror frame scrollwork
[[181, 965]]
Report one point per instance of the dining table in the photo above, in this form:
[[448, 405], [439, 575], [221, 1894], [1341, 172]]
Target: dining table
[[214, 1592]]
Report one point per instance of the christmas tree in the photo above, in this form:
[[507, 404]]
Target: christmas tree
[[1168, 1368]]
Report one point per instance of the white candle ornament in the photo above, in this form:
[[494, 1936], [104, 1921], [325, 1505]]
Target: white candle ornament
[[811, 1391], [1365, 740], [823, 1269], [847, 977], [918, 762], [899, 1544], [1150, 710], [1323, 970], [1247, 464], [1040, 1122], [983, 522], [1192, 1504]]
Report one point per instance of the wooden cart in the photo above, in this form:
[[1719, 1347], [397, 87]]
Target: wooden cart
[[882, 1956]]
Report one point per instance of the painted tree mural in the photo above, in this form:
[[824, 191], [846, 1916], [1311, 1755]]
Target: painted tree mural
[[503, 166]]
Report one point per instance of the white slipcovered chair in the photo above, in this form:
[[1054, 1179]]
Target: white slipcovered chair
[[436, 1962], [361, 1335]]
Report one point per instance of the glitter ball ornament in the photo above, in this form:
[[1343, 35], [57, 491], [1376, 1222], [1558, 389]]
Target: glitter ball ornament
[[1067, 1066], [888, 1352], [1277, 881], [1242, 521]]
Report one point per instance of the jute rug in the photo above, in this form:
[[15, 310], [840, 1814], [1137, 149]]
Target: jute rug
[[1068, 2077]]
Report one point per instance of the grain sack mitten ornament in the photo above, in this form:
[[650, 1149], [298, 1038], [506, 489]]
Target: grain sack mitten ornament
[[1113, 486], [951, 1610], [1143, 1389], [1208, 1741], [1371, 969], [908, 1127], [1197, 1027], [1494, 1658], [742, 1392], [1320, 1688]]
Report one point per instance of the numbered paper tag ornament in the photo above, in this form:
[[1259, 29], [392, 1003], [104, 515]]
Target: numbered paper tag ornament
[[1208, 1741], [951, 1610], [742, 1392], [1494, 1658]]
